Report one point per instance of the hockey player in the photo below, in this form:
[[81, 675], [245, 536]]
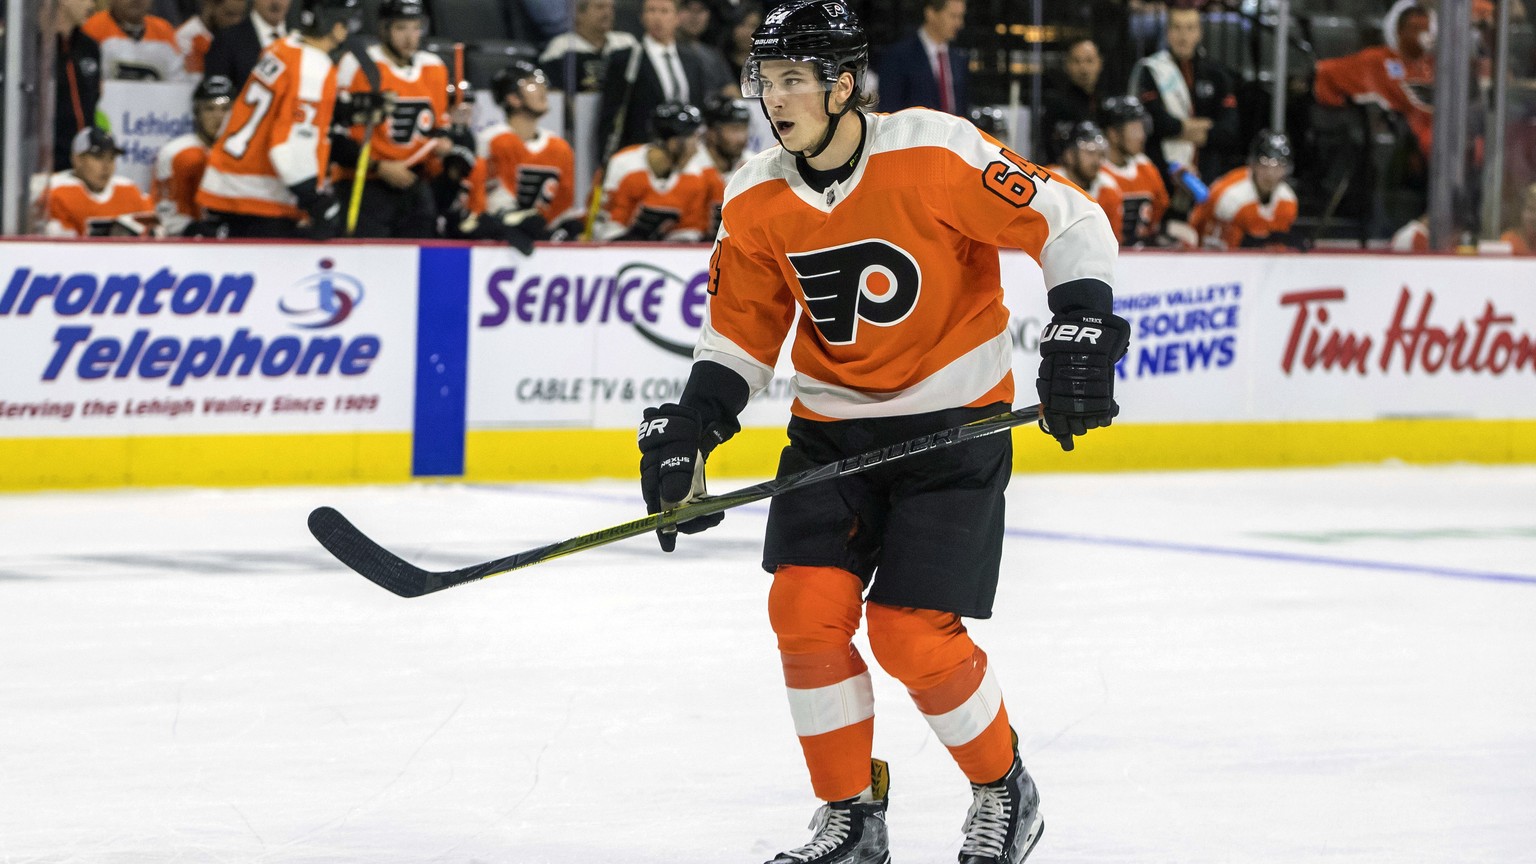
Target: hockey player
[[409, 143], [1144, 197], [726, 123], [135, 46], [90, 200], [1082, 155], [1253, 205], [268, 174], [195, 35], [882, 231], [179, 164], [527, 166], [659, 191]]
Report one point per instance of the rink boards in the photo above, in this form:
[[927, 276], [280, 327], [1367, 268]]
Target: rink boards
[[198, 363]]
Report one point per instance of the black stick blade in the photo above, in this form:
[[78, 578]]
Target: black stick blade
[[353, 548]]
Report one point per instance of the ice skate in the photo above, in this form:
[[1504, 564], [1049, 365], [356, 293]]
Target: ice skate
[[851, 831], [1004, 823]]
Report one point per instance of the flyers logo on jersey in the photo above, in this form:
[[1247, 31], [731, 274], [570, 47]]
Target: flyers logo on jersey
[[536, 185], [411, 117], [871, 280]]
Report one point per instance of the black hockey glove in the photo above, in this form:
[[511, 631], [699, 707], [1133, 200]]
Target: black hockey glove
[[1078, 352], [323, 207], [674, 442]]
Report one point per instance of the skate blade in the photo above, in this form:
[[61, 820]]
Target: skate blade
[[1036, 829]]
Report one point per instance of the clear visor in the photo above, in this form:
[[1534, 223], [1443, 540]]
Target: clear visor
[[786, 76], [1272, 163]]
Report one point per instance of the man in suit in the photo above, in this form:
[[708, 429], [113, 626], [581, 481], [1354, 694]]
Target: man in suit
[[925, 70], [659, 72], [236, 49]]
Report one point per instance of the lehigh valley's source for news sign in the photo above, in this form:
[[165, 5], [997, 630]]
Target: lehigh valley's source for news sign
[[119, 339], [588, 339]]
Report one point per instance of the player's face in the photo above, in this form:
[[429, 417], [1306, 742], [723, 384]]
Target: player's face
[[1183, 32], [1084, 65], [535, 95], [793, 95], [1132, 137], [227, 13], [1267, 174], [946, 23], [659, 18], [404, 36], [271, 11], [1412, 34], [1084, 160], [728, 140], [95, 169], [681, 148], [130, 11], [210, 114], [595, 15]]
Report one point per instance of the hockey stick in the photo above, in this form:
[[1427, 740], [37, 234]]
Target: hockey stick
[[370, 72], [611, 146], [388, 570]]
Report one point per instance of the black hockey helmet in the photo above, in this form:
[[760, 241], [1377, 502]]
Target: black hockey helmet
[[991, 121], [1081, 134], [675, 120], [1119, 110], [319, 16], [214, 88], [509, 78], [823, 32], [390, 10], [719, 112], [1270, 145]]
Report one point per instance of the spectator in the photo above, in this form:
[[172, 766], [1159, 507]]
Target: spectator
[[1400, 74], [1082, 155], [1071, 97], [527, 166], [194, 36], [1144, 197], [408, 146], [179, 164], [737, 37], [639, 79], [658, 190], [924, 70], [77, 78], [235, 50], [1251, 206], [1192, 104], [585, 48], [90, 200], [693, 34], [135, 46], [1522, 237]]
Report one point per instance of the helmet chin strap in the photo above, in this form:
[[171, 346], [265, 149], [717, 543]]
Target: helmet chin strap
[[826, 138]]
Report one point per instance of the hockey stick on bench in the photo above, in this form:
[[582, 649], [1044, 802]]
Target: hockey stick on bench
[[384, 568]]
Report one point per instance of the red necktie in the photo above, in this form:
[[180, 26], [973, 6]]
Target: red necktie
[[946, 99]]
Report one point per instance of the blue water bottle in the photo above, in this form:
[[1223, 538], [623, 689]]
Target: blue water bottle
[[1197, 188]]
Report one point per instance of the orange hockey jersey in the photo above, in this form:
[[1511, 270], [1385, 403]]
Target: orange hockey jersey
[[421, 103], [74, 210], [192, 39], [1143, 196], [178, 172], [154, 56], [1380, 75], [520, 174], [1233, 211], [894, 271], [277, 134], [672, 208]]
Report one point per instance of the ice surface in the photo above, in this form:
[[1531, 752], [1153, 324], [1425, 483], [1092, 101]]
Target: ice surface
[[1321, 666]]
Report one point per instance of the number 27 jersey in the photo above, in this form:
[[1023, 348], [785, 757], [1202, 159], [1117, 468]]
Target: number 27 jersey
[[894, 270]]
